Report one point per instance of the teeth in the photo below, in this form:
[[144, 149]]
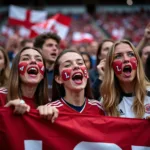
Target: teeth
[[32, 68]]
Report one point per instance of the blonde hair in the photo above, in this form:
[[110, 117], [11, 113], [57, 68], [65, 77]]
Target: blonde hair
[[111, 90]]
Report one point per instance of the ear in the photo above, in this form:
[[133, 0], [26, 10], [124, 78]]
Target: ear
[[58, 79]]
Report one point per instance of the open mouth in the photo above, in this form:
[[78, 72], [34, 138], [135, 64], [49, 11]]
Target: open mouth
[[127, 70], [77, 78], [53, 54], [32, 71]]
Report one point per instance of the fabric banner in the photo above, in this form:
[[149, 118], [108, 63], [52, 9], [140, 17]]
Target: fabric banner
[[72, 132]]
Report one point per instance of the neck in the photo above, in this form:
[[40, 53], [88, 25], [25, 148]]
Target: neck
[[28, 90], [127, 87], [75, 98], [49, 66]]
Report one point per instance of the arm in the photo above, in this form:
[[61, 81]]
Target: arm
[[145, 39], [98, 81]]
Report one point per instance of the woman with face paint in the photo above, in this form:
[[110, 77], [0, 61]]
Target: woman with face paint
[[27, 86], [71, 89], [125, 90]]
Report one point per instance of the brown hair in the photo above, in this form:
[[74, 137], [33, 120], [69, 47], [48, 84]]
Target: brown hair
[[58, 90], [14, 91], [40, 40], [100, 49], [4, 74], [111, 90]]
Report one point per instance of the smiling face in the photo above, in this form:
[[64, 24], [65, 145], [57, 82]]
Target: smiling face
[[72, 72], [124, 63], [31, 67]]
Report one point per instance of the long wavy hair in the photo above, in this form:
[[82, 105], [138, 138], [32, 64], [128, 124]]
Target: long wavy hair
[[14, 90], [58, 90], [4, 74], [111, 90]]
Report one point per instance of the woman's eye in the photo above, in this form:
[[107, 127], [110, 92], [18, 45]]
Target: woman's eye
[[68, 65], [131, 54], [24, 59], [81, 63], [117, 56], [39, 60]]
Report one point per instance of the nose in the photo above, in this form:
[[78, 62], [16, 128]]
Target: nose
[[75, 66], [126, 58], [33, 61]]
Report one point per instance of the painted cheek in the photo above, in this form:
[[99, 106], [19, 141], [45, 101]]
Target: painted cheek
[[85, 72], [41, 67], [66, 74], [22, 67], [133, 62], [117, 66]]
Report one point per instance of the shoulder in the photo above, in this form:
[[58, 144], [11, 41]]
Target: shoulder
[[3, 91], [94, 102], [56, 103]]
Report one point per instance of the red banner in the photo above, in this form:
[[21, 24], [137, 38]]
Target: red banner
[[72, 132]]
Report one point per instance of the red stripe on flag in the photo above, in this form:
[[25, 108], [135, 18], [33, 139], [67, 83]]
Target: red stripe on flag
[[65, 20], [19, 22]]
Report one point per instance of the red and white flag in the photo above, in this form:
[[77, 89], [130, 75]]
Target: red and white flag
[[79, 37], [7, 31], [25, 17], [57, 24]]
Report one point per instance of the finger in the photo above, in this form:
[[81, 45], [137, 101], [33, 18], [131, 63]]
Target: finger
[[21, 108], [8, 104], [55, 114], [45, 112], [40, 108]]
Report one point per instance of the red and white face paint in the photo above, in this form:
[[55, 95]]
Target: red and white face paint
[[23, 67], [66, 74], [133, 62], [41, 67], [117, 65], [85, 72]]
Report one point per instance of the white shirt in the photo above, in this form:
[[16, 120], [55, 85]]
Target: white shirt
[[125, 106]]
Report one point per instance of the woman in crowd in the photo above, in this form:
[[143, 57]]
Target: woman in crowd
[[4, 68], [87, 60], [71, 88], [27, 87], [125, 90], [96, 74]]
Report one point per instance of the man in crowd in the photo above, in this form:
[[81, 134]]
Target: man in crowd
[[49, 44]]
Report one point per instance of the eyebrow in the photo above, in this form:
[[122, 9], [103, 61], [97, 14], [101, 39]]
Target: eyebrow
[[68, 61], [30, 55]]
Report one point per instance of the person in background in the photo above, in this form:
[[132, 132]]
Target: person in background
[[49, 44], [144, 45], [87, 60], [125, 90], [96, 74], [26, 43]]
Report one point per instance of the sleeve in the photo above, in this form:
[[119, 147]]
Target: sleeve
[[3, 99], [96, 88]]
